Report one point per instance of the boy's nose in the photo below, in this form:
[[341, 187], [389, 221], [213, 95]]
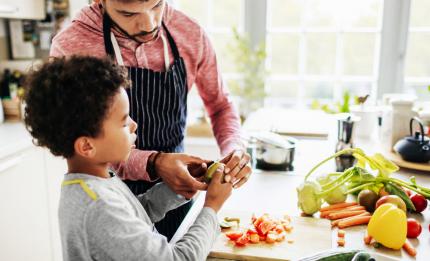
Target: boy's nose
[[133, 126]]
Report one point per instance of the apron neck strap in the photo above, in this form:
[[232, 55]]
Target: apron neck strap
[[112, 47]]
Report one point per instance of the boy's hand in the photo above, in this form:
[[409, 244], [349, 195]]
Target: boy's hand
[[218, 190], [177, 171]]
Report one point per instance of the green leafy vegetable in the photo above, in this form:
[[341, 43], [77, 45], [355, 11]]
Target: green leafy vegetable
[[334, 187]]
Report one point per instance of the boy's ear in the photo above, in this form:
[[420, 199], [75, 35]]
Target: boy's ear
[[85, 147]]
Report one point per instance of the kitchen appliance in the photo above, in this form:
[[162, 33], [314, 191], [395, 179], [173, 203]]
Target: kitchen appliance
[[395, 120], [416, 147], [309, 235], [345, 134], [271, 151]]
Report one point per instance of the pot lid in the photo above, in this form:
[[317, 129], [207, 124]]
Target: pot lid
[[275, 139]]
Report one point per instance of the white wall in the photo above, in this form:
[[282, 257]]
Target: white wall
[[76, 6]]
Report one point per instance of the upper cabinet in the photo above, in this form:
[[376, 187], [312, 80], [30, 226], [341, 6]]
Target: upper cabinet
[[22, 9]]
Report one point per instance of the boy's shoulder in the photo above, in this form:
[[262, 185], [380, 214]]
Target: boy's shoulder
[[87, 189]]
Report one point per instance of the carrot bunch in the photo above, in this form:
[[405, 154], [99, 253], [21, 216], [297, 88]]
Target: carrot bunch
[[346, 214]]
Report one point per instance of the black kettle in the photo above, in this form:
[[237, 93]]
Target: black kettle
[[414, 148]]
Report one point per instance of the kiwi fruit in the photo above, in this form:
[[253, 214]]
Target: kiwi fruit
[[367, 198], [210, 171]]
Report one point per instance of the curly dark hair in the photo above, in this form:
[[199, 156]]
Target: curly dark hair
[[68, 98]]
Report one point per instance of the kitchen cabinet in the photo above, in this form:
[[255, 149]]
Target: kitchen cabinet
[[55, 168], [23, 9], [24, 219]]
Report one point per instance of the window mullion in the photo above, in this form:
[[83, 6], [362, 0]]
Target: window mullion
[[393, 46]]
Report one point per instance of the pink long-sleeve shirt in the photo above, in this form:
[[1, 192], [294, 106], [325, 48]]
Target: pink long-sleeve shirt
[[85, 37]]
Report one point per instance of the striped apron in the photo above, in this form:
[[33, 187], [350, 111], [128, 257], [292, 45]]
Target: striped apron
[[158, 104]]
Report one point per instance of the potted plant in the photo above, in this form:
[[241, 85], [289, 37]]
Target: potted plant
[[250, 64]]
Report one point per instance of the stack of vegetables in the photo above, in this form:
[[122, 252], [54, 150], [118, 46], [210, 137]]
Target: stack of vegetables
[[388, 197]]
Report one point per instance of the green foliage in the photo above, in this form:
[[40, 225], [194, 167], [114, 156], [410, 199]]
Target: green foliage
[[337, 107], [250, 63]]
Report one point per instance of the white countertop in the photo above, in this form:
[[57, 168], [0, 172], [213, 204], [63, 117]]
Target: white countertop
[[13, 138], [275, 192]]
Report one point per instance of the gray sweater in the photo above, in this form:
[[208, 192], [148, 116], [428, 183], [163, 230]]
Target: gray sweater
[[100, 219]]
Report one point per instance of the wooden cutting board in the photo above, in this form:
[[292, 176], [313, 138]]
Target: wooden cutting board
[[310, 235], [397, 159]]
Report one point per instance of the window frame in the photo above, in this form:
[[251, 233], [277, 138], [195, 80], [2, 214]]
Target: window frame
[[389, 65]]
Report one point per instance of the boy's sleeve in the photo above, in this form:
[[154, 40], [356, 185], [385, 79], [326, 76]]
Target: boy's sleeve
[[160, 199], [115, 233]]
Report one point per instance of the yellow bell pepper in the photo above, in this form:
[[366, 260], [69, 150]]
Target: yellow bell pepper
[[388, 226]]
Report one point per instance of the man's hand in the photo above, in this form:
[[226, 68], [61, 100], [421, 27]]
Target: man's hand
[[237, 169], [177, 171]]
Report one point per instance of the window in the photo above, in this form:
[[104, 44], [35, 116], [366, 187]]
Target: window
[[417, 66], [318, 49], [217, 17]]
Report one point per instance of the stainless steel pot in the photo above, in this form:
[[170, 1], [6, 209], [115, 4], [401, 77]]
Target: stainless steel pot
[[271, 151]]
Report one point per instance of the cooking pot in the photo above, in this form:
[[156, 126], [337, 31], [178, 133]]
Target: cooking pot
[[271, 151], [414, 148]]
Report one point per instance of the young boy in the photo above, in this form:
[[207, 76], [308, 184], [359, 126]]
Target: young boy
[[78, 109]]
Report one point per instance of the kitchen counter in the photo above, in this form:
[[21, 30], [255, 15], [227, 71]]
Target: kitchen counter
[[275, 192], [13, 138]]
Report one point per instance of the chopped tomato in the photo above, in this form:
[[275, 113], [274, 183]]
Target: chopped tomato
[[279, 228], [266, 226], [271, 238], [281, 237], [262, 238], [243, 240], [257, 222], [288, 228], [253, 218], [254, 238], [251, 231], [234, 235]]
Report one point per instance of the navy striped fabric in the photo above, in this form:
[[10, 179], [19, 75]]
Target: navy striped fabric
[[158, 104]]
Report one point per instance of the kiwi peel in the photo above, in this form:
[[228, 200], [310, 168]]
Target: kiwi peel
[[210, 172]]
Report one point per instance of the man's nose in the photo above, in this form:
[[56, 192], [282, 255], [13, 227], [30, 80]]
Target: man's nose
[[147, 22]]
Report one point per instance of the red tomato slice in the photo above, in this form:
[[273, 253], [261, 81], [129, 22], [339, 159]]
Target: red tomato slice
[[234, 235], [254, 238], [251, 231], [266, 226], [242, 241]]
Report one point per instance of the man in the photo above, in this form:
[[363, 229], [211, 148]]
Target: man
[[165, 53]]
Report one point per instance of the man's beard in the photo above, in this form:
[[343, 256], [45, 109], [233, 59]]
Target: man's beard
[[140, 34]]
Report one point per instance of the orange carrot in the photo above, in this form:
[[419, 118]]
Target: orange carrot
[[324, 214], [354, 221], [407, 246], [341, 241], [345, 214], [335, 222], [341, 233], [339, 205], [367, 239]]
